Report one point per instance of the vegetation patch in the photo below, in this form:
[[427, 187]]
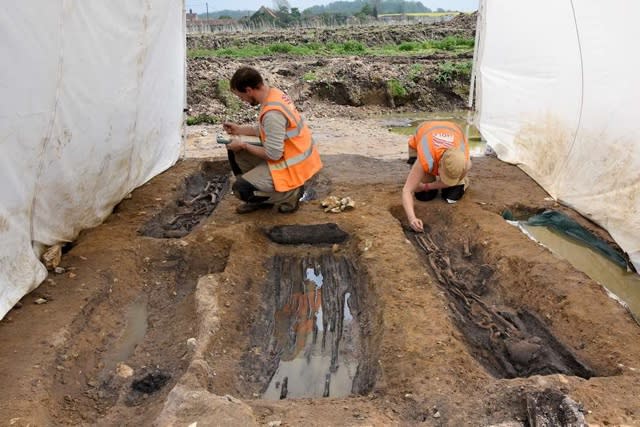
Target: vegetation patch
[[396, 88], [415, 71], [200, 119], [450, 71], [350, 47], [451, 43], [223, 92], [310, 76]]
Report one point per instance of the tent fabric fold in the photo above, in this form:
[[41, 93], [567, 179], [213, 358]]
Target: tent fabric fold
[[557, 95], [93, 100]]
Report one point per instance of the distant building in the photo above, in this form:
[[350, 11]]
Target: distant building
[[192, 17], [197, 25], [264, 14]]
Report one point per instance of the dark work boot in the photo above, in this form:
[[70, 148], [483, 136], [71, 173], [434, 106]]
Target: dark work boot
[[425, 196], [252, 207], [453, 194]]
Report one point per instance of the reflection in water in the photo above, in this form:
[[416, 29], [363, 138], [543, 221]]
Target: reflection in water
[[625, 286], [316, 353]]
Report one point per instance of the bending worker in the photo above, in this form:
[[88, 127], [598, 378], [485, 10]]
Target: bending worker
[[441, 162], [273, 172]]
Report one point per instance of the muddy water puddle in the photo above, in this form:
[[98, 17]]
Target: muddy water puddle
[[135, 328], [307, 360], [315, 333], [315, 343], [406, 125], [624, 285]]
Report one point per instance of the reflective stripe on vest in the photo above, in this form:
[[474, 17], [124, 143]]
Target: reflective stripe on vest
[[426, 148], [283, 164], [300, 158]]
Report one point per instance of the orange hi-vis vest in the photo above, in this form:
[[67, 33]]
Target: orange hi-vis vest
[[432, 139], [300, 159]]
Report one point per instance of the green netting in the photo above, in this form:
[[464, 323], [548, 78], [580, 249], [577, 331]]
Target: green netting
[[564, 225]]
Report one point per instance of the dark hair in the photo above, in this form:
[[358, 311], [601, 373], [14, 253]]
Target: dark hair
[[246, 77]]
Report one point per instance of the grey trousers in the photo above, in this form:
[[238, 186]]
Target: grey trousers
[[256, 171]]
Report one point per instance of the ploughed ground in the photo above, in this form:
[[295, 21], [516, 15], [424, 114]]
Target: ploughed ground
[[532, 331]]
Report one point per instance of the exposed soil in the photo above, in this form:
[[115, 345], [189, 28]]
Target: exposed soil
[[371, 35], [477, 326], [323, 86]]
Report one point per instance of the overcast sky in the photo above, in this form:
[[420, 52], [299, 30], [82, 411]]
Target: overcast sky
[[200, 6]]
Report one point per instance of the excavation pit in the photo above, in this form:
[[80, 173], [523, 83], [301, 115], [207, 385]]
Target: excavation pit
[[126, 347], [196, 199], [316, 341], [509, 342], [495, 300]]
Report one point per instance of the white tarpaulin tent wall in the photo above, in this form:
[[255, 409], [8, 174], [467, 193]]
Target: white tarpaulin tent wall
[[92, 96], [557, 93]]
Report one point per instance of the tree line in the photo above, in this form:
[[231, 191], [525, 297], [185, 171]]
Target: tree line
[[336, 9]]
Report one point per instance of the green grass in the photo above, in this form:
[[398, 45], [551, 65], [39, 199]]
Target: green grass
[[409, 46], [351, 47], [396, 88], [433, 14], [449, 71], [451, 43], [415, 71], [223, 92], [202, 118], [310, 77]]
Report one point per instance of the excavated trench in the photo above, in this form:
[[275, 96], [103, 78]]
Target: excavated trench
[[508, 340], [196, 199], [126, 348], [313, 334], [315, 329], [310, 325]]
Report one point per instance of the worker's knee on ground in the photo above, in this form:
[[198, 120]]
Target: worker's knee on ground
[[425, 196], [245, 191], [453, 193]]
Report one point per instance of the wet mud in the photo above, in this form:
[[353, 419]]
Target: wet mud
[[552, 408]]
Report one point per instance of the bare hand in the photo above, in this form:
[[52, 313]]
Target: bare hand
[[231, 128], [417, 225], [235, 145]]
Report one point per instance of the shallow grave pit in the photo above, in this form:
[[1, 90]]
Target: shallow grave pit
[[315, 343], [196, 199], [509, 339]]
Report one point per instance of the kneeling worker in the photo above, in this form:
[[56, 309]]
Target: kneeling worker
[[273, 172], [442, 162]]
